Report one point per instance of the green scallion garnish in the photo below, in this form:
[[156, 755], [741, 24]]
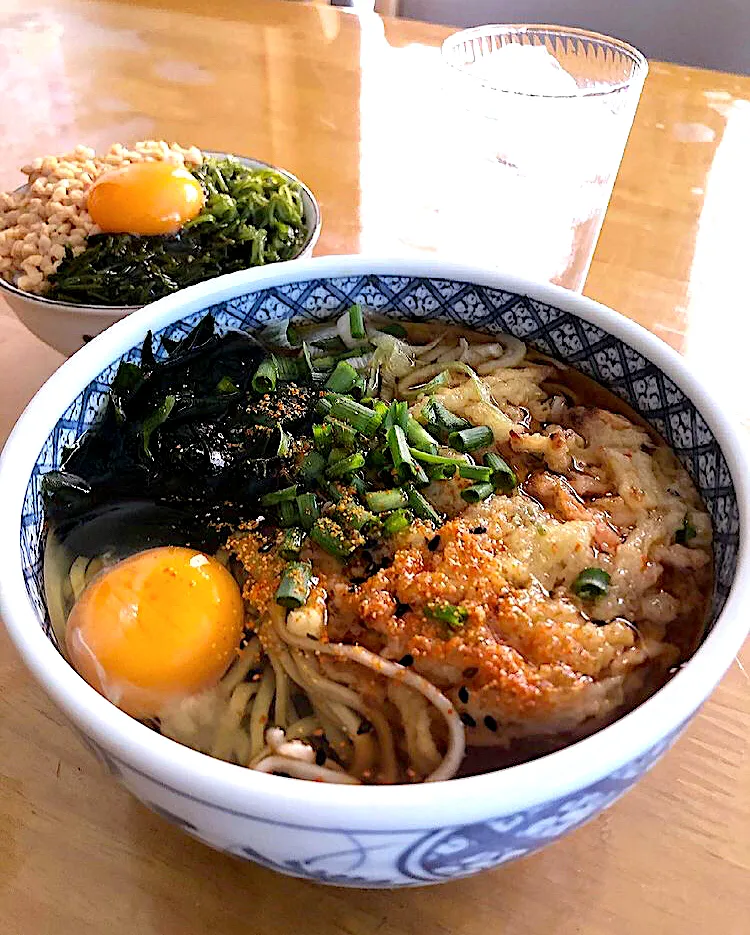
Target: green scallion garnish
[[307, 504], [295, 585], [455, 616], [287, 368], [366, 421], [346, 465], [477, 492], [323, 436], [399, 448], [279, 496], [344, 435], [394, 329], [288, 514], [419, 437], [476, 472], [686, 532], [313, 465], [264, 378], [591, 583], [396, 521], [343, 378], [331, 538], [421, 507], [357, 323], [445, 422], [478, 436], [225, 385], [291, 544], [503, 476], [382, 501]]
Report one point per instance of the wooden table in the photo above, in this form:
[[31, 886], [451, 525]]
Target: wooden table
[[310, 88]]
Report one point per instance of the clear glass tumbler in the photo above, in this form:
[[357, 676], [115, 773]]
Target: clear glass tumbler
[[542, 115]]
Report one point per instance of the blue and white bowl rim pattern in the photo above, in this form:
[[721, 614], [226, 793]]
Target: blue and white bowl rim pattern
[[417, 288]]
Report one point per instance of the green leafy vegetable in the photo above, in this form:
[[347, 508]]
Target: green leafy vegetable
[[251, 217]]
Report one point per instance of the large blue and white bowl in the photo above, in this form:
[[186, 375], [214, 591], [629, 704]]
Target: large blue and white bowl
[[399, 835]]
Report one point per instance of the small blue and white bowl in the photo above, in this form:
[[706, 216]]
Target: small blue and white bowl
[[398, 835]]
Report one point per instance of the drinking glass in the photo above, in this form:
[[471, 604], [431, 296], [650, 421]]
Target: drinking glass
[[541, 115]]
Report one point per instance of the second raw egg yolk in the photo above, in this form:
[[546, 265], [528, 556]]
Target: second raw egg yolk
[[145, 198], [156, 628]]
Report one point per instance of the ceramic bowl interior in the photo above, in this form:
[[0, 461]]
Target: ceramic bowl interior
[[575, 792]]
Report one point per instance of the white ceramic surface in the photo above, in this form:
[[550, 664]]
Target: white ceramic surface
[[376, 836]]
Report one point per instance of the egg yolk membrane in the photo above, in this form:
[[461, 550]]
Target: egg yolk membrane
[[145, 198], [156, 628]]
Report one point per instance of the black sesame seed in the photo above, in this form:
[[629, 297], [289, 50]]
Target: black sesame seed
[[407, 660], [402, 609], [467, 719], [463, 694], [490, 723], [478, 530], [320, 757], [471, 672], [434, 543]]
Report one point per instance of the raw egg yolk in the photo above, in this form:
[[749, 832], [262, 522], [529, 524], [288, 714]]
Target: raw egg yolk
[[156, 628], [144, 198]]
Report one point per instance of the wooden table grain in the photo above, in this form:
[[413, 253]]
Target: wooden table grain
[[332, 97]]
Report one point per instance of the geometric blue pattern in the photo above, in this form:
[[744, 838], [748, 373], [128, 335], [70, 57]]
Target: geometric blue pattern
[[353, 858]]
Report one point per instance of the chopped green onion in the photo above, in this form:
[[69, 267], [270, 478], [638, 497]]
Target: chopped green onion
[[287, 368], [440, 471], [435, 383], [307, 504], [305, 363], [344, 435], [293, 336], [383, 501], [475, 472], [421, 507], [323, 406], [686, 532], [454, 616], [330, 345], [366, 421], [313, 465], [399, 448], [398, 414], [591, 583], [396, 521], [357, 323], [285, 443], [291, 544], [477, 492], [420, 475], [337, 454], [419, 437], [346, 465], [325, 363], [358, 484], [353, 514], [331, 538], [429, 458], [264, 378], [295, 585], [503, 476], [393, 328], [279, 496], [377, 458], [479, 436], [323, 436], [288, 514], [446, 422], [333, 491], [360, 387], [225, 385], [343, 378]]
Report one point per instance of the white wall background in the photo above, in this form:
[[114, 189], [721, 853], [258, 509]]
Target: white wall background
[[707, 33]]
